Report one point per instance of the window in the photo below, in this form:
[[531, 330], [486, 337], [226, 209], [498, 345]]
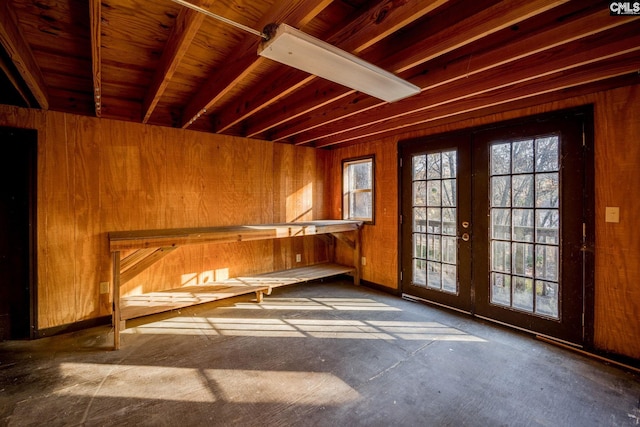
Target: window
[[357, 189]]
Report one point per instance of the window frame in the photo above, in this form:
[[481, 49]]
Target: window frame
[[346, 193]]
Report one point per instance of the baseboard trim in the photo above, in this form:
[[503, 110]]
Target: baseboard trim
[[73, 327]]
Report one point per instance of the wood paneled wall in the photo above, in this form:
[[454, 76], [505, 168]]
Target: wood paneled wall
[[617, 156], [96, 176]]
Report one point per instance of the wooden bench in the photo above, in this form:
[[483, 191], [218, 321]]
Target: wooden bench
[[149, 246]]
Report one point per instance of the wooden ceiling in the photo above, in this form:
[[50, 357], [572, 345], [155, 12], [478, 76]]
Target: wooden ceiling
[[156, 62]]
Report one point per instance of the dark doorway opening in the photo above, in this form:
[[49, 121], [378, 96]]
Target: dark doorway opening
[[18, 174]]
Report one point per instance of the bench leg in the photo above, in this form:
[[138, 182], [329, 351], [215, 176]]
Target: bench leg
[[259, 296]]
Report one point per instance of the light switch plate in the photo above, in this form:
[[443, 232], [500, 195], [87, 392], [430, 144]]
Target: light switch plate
[[612, 214], [104, 287]]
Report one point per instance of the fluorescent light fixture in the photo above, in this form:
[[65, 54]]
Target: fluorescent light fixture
[[296, 49]]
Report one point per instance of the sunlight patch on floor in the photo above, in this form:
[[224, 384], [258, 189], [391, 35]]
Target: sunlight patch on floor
[[369, 329], [203, 385]]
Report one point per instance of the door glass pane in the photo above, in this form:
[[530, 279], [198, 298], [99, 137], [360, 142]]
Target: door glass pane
[[435, 225], [449, 219], [500, 159], [501, 191], [525, 225], [522, 152], [522, 188], [501, 289], [547, 190]]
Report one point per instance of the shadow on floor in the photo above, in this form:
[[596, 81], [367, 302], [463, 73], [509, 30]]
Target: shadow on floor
[[313, 354]]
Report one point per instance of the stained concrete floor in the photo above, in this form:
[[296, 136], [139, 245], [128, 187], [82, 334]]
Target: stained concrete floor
[[317, 354]]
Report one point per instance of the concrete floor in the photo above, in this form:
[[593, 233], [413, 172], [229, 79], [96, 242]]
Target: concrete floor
[[317, 354]]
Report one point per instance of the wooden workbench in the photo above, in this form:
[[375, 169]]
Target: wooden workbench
[[149, 246]]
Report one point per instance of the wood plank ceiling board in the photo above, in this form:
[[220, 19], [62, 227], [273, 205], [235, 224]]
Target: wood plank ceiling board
[[160, 63]]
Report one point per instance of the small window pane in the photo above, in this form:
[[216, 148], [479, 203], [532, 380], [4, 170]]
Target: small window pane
[[500, 159], [433, 193], [500, 191], [434, 276], [449, 192], [433, 247], [434, 166], [357, 189], [547, 298], [523, 293], [420, 220], [419, 272], [449, 278], [361, 207], [501, 289], [547, 190], [434, 222], [420, 245], [419, 167], [547, 226], [547, 154], [501, 224], [522, 259], [449, 221], [523, 156], [449, 249], [522, 225], [501, 256], [522, 191], [547, 262], [419, 193], [449, 164]]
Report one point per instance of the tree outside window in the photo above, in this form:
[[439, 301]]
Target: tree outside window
[[357, 189]]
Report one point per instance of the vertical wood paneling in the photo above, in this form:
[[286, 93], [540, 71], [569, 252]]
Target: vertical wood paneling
[[58, 250], [380, 240], [96, 176], [617, 156], [89, 249], [296, 196]]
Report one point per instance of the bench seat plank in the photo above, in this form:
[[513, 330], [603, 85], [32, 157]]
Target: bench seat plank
[[157, 302]]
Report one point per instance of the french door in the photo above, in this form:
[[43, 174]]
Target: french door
[[494, 223]]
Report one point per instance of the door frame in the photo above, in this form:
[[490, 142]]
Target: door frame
[[444, 142], [588, 210], [29, 138]]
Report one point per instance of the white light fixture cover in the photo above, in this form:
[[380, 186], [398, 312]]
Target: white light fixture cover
[[299, 50]]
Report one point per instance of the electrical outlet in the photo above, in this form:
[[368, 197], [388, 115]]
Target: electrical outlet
[[298, 258], [612, 214], [104, 287], [364, 260]]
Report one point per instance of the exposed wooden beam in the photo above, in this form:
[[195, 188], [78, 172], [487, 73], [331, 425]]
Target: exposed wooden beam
[[381, 19], [304, 106], [21, 55], [454, 121], [489, 21], [6, 69], [422, 49], [614, 67], [187, 24], [245, 58], [95, 13], [447, 82]]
